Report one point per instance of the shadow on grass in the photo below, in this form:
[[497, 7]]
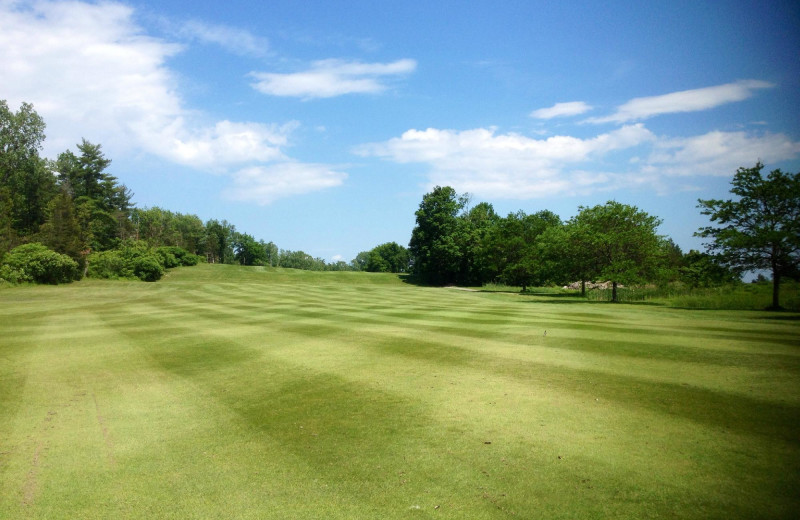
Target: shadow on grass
[[773, 419], [577, 300], [792, 317]]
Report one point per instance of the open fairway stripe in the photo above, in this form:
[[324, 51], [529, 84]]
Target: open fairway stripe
[[223, 391]]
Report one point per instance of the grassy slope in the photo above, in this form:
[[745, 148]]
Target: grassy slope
[[225, 392]]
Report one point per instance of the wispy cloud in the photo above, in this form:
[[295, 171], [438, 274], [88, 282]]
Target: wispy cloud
[[683, 101], [573, 108], [331, 78], [265, 184], [114, 87], [234, 39]]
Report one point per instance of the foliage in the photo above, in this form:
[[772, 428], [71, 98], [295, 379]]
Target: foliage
[[473, 233], [272, 254], [62, 231], [36, 263], [133, 259], [220, 238], [248, 251], [103, 206], [513, 247], [182, 256], [300, 260], [621, 242], [434, 248], [704, 270], [390, 257], [148, 268], [761, 229], [26, 185], [160, 227]]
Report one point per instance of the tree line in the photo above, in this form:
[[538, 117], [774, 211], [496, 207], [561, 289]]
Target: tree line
[[455, 243], [74, 207]]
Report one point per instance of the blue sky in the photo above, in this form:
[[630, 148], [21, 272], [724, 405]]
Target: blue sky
[[320, 125]]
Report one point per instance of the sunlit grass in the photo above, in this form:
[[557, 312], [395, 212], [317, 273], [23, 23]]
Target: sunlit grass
[[226, 392]]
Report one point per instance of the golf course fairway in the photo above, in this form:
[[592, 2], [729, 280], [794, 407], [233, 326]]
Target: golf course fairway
[[233, 392]]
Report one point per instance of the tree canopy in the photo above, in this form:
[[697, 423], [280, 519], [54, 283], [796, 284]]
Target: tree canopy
[[621, 242], [761, 228]]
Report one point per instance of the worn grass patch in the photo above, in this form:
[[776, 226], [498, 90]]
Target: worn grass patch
[[225, 392]]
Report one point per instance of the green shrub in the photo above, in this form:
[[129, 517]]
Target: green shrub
[[148, 268], [167, 259], [133, 259], [110, 264], [182, 256], [36, 263]]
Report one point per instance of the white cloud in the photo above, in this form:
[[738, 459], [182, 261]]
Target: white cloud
[[507, 165], [331, 78], [573, 108], [91, 71], [684, 101], [86, 68], [718, 153], [514, 166], [234, 39], [225, 144], [265, 184]]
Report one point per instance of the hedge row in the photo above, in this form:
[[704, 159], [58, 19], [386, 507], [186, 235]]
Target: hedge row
[[35, 263], [137, 260]]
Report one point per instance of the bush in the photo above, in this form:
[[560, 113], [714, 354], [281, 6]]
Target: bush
[[148, 268], [135, 259], [175, 256], [131, 260], [110, 264], [36, 263], [167, 259]]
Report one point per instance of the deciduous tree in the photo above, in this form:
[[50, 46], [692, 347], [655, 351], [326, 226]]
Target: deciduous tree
[[621, 240], [761, 228], [435, 254]]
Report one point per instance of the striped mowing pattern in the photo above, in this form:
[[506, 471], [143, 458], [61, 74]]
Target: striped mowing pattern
[[224, 392]]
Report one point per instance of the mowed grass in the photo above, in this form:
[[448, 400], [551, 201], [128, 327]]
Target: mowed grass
[[227, 392]]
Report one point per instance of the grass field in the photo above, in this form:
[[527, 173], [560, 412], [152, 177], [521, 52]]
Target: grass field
[[226, 392]]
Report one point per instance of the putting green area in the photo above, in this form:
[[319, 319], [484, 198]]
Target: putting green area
[[232, 392]]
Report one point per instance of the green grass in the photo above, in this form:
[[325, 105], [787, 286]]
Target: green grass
[[226, 392]]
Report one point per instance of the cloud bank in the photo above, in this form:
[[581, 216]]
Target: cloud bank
[[515, 166], [92, 72]]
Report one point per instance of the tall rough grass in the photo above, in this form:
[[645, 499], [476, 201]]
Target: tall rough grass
[[729, 297]]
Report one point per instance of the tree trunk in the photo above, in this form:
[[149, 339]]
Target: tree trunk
[[614, 292], [776, 287], [583, 288]]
